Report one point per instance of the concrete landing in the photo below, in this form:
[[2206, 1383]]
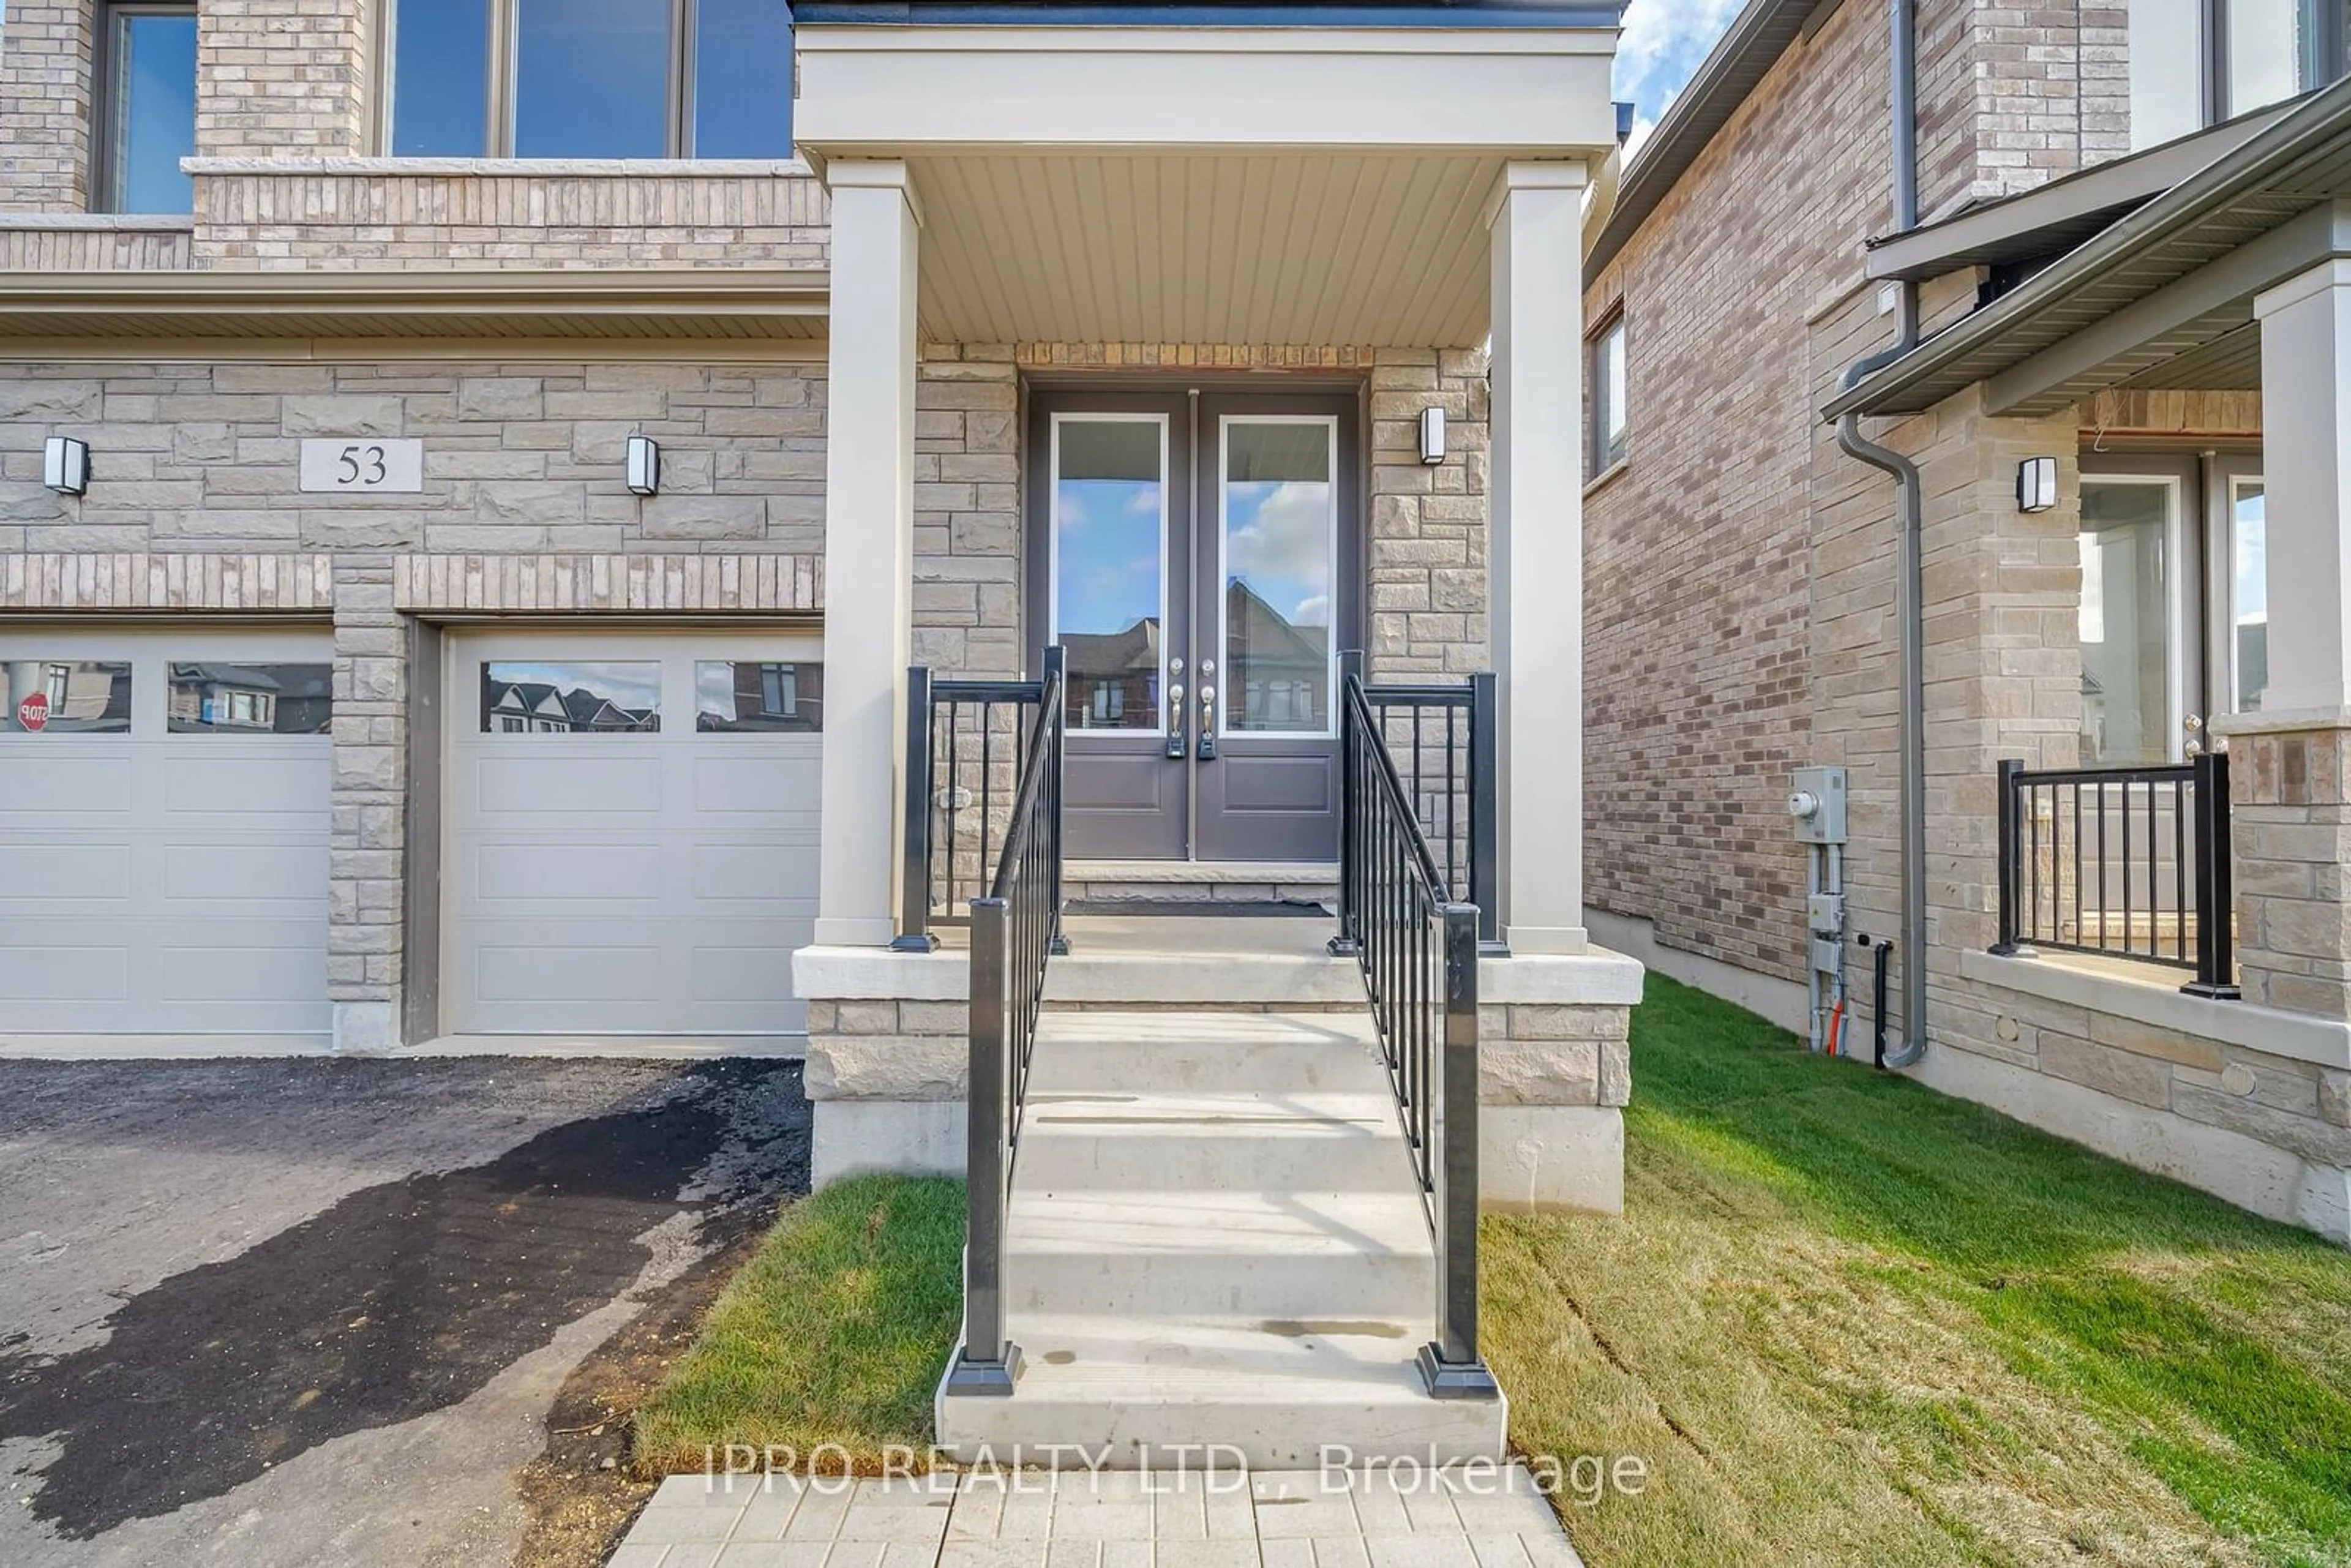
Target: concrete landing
[[1214, 1237]]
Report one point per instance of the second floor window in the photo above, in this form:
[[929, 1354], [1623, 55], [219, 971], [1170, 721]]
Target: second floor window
[[1606, 397], [2194, 63], [592, 78], [147, 109]]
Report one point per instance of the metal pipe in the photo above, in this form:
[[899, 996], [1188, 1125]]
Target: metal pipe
[[1909, 612]]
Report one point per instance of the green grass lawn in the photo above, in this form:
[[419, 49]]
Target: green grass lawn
[[1843, 1320], [1847, 1320]]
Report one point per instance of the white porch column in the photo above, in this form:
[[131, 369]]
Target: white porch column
[[2306, 469], [1536, 557], [869, 547]]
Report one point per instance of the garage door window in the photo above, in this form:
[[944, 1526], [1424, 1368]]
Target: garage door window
[[528, 697], [747, 697], [77, 696], [250, 699]]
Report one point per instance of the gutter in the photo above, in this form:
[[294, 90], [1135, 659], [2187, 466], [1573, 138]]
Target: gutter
[[2326, 115], [1902, 97]]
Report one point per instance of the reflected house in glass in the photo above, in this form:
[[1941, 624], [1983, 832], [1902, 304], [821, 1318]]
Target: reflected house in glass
[[759, 695], [537, 707], [1284, 668], [281, 699], [1114, 677]]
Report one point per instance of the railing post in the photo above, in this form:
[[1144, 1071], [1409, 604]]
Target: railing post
[[2216, 892], [914, 870], [1053, 689], [1451, 1364], [1349, 941], [1485, 811], [2011, 870], [986, 1363]]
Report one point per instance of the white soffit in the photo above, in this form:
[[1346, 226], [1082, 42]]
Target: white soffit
[[1205, 249]]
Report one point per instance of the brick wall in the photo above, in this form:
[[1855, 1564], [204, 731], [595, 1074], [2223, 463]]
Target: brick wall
[[280, 77], [45, 106], [33, 242]]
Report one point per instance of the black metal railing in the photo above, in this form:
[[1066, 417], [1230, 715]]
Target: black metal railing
[[1417, 947], [964, 742], [1015, 932], [1445, 739], [2132, 863]]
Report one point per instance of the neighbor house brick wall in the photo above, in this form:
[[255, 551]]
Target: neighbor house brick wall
[[280, 77], [45, 106]]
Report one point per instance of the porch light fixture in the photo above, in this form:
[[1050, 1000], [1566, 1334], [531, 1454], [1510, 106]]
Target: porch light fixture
[[1432, 436], [2036, 484], [644, 466], [65, 464]]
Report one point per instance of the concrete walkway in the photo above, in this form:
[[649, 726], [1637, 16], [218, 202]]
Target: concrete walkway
[[1476, 1518]]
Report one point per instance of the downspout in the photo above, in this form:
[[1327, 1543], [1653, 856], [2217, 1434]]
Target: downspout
[[1902, 100]]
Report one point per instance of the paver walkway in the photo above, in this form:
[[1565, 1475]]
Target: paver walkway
[[1294, 1518]]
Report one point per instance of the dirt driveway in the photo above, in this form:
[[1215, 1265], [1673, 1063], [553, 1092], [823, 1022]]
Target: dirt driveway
[[312, 1312]]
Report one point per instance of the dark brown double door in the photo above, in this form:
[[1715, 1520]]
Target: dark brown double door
[[1197, 557]]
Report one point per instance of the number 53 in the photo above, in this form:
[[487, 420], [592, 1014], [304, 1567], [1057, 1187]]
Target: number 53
[[362, 465]]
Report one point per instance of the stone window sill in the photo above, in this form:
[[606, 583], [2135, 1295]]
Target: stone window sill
[[2151, 994], [1606, 477], [544, 168], [101, 223]]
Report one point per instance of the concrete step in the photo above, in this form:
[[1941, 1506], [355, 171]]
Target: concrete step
[[1173, 961], [1179, 1051], [1077, 1141], [1143, 1386], [1257, 1255]]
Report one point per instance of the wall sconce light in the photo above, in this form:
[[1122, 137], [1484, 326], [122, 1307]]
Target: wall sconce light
[[2036, 484], [1432, 436], [65, 464], [644, 466]]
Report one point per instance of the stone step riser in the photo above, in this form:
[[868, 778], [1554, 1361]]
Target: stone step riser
[[1137, 1067], [1292, 1287], [1139, 1433]]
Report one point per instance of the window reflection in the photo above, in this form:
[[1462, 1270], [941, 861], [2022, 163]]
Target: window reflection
[[152, 121], [78, 696], [535, 697], [1110, 560], [250, 699], [742, 80], [2125, 622], [2250, 607], [592, 78], [1278, 519], [741, 696], [440, 104]]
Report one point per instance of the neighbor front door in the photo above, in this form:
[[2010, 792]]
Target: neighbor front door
[[1198, 559]]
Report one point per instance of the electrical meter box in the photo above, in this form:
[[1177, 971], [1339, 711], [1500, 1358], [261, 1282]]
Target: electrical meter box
[[1816, 805]]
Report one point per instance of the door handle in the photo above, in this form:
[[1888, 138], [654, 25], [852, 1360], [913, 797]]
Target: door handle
[[1207, 724], [1176, 722]]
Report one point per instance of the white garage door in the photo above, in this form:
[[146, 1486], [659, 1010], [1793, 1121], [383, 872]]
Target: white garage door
[[630, 833], [163, 822]]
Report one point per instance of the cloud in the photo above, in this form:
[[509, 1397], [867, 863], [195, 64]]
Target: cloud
[[1281, 530], [1664, 40], [1313, 611]]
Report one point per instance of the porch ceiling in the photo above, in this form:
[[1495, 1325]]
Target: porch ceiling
[[1205, 249], [1208, 183]]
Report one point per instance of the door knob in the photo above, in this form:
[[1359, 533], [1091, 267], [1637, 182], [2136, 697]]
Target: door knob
[[1207, 724], [1176, 719]]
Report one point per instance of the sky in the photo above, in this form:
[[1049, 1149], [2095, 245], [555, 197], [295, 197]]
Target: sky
[[1664, 41]]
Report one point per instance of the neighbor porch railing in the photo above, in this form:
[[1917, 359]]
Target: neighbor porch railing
[[1418, 950], [2130, 862], [1445, 740], [964, 742], [1015, 931]]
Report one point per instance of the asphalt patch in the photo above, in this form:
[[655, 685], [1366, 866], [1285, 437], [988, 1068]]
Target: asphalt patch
[[399, 1300]]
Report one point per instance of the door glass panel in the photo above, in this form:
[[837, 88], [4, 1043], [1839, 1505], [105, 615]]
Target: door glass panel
[[250, 699], [752, 697], [78, 696], [1279, 519], [550, 697], [1110, 566], [2126, 624], [2249, 602]]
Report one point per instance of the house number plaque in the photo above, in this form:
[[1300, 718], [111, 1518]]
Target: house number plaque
[[362, 465]]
